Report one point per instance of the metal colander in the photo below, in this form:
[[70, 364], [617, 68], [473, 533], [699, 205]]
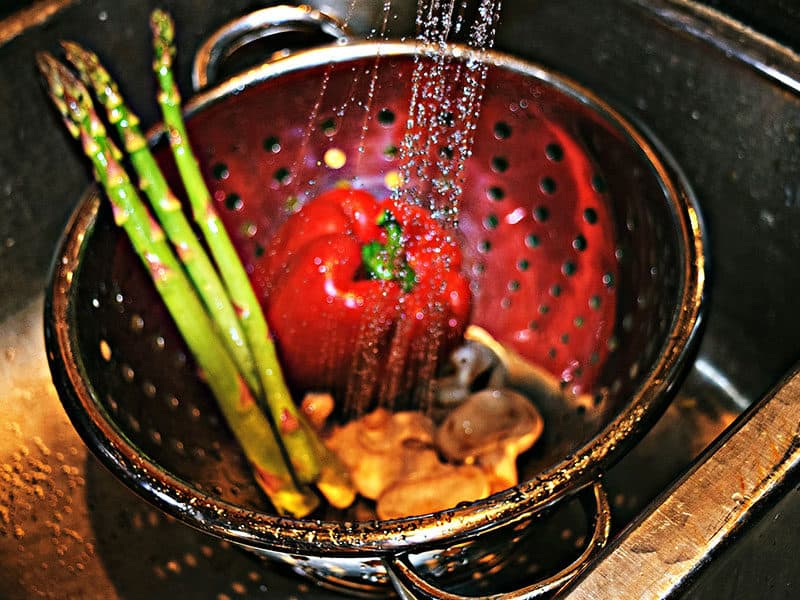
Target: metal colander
[[585, 252]]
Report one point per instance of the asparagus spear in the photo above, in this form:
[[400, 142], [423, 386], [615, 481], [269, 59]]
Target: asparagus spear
[[276, 394], [167, 208], [246, 420]]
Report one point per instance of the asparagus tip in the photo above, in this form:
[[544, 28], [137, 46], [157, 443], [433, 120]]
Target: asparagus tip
[[163, 26], [45, 63], [77, 54], [59, 77]]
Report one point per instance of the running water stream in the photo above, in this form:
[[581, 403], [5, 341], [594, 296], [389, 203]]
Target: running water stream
[[443, 112]]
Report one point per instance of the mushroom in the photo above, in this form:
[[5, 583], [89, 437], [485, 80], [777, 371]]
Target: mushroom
[[483, 356], [382, 447], [470, 361], [491, 429], [441, 487], [511, 369]]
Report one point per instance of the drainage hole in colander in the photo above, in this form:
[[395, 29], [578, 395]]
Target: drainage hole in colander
[[127, 372], [248, 229], [233, 201], [282, 175], [541, 213], [502, 130], [612, 343], [554, 152], [499, 164], [134, 424], [599, 184], [491, 221], [272, 144], [495, 193], [159, 343], [220, 171], [328, 126], [386, 117], [149, 389], [547, 185], [627, 323]]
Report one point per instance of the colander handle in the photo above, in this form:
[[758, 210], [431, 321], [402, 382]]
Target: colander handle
[[258, 25], [411, 586]]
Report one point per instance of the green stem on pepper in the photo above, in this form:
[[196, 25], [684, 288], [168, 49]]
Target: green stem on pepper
[[387, 261], [167, 208], [246, 420], [276, 394]]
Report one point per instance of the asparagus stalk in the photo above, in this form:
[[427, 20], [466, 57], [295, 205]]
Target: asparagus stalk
[[276, 394], [167, 208], [247, 421], [334, 480]]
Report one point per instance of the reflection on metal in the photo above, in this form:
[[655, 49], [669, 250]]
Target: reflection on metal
[[35, 14], [764, 54], [720, 381], [411, 586], [267, 22], [707, 508]]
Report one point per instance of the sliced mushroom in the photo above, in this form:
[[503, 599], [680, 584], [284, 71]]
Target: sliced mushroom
[[382, 447], [491, 429], [512, 369], [443, 487], [470, 360]]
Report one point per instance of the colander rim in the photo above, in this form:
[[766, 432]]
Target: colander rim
[[258, 529]]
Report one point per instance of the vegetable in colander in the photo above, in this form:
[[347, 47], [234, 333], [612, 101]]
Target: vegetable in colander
[[278, 400], [246, 420], [382, 273]]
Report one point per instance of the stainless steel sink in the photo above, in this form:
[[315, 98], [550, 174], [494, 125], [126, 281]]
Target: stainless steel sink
[[724, 100]]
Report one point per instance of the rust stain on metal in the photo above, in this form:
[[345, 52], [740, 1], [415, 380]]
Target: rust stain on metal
[[35, 14]]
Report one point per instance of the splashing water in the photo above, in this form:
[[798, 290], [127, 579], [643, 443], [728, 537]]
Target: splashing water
[[443, 112], [445, 104]]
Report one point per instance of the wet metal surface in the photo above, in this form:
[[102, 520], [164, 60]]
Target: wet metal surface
[[707, 509], [69, 529]]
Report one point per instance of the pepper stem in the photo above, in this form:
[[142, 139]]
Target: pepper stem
[[387, 261]]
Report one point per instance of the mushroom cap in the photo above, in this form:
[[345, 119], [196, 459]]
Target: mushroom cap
[[488, 422]]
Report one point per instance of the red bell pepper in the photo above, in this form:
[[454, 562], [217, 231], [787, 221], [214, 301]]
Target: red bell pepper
[[362, 295]]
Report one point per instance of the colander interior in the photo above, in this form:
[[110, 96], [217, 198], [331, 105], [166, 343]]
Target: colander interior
[[620, 251]]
